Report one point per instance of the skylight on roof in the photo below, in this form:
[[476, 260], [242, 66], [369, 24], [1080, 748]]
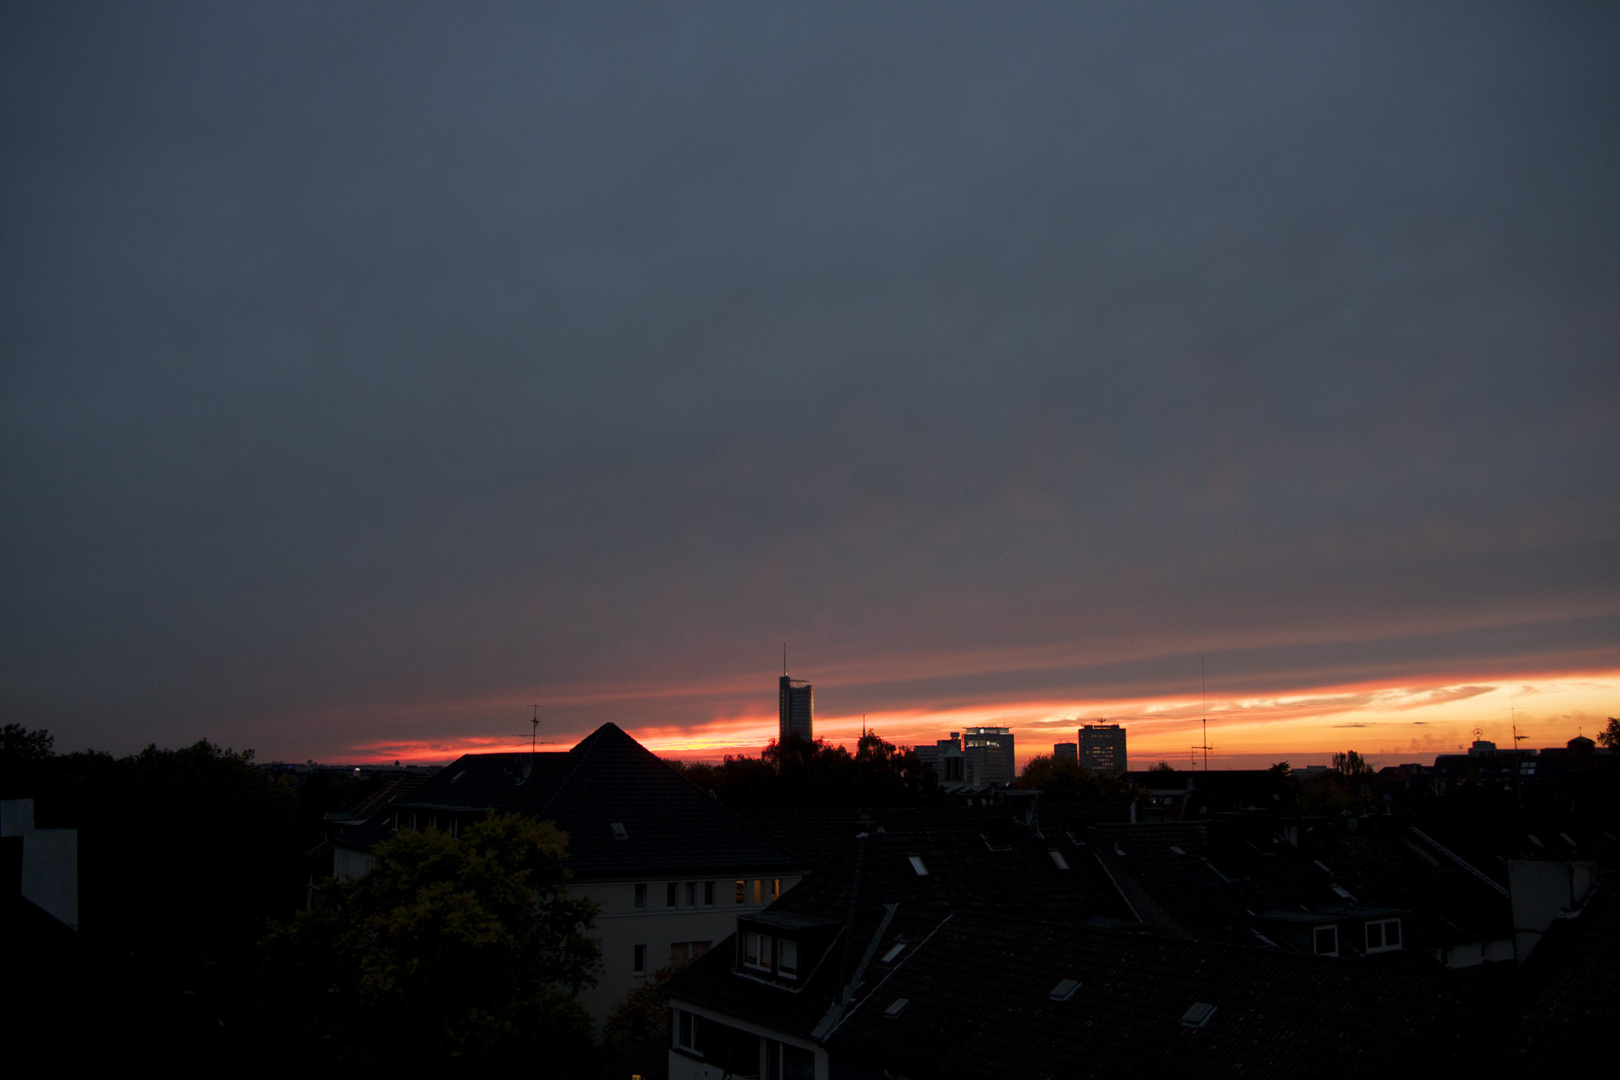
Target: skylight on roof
[[1057, 857], [1343, 892], [619, 832], [1064, 990], [1177, 850], [894, 950], [458, 776], [896, 1007], [917, 865], [1199, 1015]]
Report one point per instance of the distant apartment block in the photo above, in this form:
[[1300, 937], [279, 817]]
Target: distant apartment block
[[1068, 750], [1102, 747], [989, 756], [946, 758], [794, 700]]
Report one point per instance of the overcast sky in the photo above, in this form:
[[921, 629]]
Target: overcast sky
[[369, 370]]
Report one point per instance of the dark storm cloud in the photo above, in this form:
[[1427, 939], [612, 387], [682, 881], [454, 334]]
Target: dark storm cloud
[[386, 353]]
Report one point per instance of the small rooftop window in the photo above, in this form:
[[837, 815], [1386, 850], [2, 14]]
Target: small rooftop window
[[1064, 990], [1057, 857], [896, 1007], [1119, 851], [458, 776], [1199, 1015], [1343, 892], [1322, 866], [917, 865], [1177, 849], [618, 831], [894, 950], [1263, 938]]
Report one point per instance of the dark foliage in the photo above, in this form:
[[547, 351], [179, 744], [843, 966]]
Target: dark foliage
[[451, 957], [1066, 778], [798, 772]]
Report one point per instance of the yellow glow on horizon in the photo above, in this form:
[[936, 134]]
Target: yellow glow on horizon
[[1387, 722]]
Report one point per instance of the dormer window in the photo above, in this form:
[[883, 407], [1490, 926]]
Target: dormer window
[[787, 958], [757, 951], [1383, 935], [1325, 940], [619, 832]]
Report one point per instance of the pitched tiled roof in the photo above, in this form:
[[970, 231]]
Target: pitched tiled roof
[[874, 889], [1569, 1024], [979, 1002], [670, 827]]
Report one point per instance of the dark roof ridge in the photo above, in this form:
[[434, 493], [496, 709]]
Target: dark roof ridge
[[588, 745], [580, 751]]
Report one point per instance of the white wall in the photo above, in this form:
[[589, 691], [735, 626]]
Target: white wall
[[50, 861], [621, 927]]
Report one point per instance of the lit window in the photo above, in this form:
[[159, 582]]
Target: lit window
[[1326, 941], [1383, 935], [640, 967], [669, 893], [641, 897], [759, 891], [742, 894], [917, 865], [787, 958], [776, 888]]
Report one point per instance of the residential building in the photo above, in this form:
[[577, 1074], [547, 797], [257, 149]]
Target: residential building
[[935, 954], [1102, 747], [668, 866], [795, 707]]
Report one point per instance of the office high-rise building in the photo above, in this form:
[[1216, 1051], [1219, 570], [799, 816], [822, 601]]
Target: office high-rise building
[[795, 707], [1066, 750], [989, 753], [1102, 747]]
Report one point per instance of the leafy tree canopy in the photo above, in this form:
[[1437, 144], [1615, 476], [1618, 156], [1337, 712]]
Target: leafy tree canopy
[[799, 772], [17, 743], [450, 956], [1610, 735], [1064, 777], [1163, 766]]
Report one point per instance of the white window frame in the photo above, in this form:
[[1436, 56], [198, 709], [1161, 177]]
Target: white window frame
[[1384, 926], [686, 1031], [785, 947]]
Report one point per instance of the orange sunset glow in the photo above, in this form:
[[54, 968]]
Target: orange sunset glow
[[1387, 722]]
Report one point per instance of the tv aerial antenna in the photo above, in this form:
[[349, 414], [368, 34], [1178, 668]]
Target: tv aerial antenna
[[1203, 740]]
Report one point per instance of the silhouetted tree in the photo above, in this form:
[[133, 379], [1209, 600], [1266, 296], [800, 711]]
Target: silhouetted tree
[[451, 956], [1351, 764], [801, 772], [17, 743], [635, 1039], [1064, 777], [1610, 735], [1162, 767]]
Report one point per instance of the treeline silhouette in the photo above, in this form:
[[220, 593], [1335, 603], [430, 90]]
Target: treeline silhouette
[[797, 772]]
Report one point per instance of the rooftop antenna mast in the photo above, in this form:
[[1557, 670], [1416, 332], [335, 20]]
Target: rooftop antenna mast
[[1203, 741], [784, 658], [534, 731]]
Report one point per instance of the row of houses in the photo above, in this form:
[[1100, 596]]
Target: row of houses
[[979, 936]]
